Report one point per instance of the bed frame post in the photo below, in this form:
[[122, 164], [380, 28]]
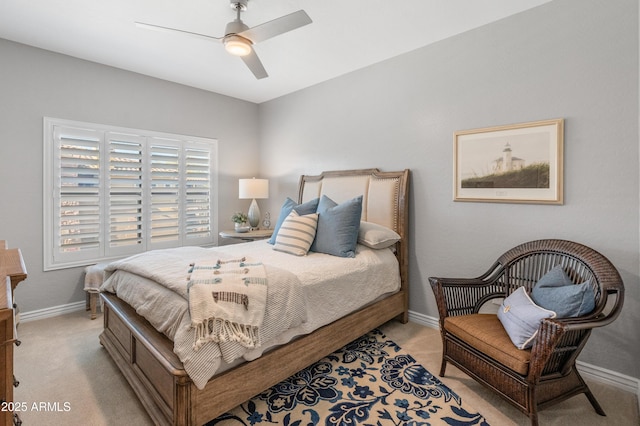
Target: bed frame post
[[403, 249]]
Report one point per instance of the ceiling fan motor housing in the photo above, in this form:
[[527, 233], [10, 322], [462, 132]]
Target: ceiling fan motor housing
[[234, 43], [235, 27]]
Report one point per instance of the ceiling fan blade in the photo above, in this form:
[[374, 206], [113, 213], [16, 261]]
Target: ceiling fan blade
[[277, 26], [253, 62], [174, 30]]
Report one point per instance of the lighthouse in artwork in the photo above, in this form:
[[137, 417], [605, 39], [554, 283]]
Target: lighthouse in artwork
[[506, 158], [507, 162]]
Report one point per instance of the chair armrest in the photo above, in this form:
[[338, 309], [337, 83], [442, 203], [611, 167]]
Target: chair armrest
[[463, 296], [557, 345], [558, 338], [602, 315], [456, 282], [545, 345], [605, 313]]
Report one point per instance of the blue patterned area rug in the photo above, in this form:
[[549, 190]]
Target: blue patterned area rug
[[371, 381]]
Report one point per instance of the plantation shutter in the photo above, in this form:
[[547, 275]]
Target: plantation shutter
[[125, 196], [165, 188], [76, 195], [198, 199], [112, 192]]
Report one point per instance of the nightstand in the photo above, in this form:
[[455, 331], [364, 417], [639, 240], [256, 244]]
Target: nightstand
[[253, 235]]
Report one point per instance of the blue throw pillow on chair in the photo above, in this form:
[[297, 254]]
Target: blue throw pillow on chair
[[555, 291]]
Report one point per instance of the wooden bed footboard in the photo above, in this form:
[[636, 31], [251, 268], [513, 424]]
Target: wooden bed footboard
[[155, 373]]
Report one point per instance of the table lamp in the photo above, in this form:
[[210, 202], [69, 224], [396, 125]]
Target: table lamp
[[252, 189]]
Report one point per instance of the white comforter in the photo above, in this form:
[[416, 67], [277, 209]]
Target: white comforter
[[304, 293]]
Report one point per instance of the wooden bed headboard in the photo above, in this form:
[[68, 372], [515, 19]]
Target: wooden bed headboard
[[385, 198], [384, 194]]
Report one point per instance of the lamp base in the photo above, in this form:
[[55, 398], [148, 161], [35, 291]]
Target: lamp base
[[254, 214]]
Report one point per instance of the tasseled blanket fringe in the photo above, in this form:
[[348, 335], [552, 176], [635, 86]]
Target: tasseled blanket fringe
[[219, 330]]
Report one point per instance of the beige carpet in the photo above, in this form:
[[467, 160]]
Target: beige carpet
[[67, 378]]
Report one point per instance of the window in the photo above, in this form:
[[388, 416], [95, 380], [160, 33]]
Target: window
[[112, 192]]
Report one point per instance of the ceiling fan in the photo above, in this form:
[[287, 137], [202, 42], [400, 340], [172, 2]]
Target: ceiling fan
[[239, 39]]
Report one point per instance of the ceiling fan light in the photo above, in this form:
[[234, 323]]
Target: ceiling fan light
[[238, 46]]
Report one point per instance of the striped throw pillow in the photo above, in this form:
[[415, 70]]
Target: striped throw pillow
[[296, 233]]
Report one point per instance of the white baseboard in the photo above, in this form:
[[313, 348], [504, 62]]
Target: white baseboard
[[53, 311], [588, 371], [423, 319], [609, 377]]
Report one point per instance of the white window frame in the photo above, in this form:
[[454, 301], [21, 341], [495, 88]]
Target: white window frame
[[190, 202]]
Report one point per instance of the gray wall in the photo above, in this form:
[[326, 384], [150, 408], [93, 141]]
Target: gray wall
[[573, 59], [570, 59], [36, 83]]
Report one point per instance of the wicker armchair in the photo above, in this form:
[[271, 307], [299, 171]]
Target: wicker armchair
[[477, 343]]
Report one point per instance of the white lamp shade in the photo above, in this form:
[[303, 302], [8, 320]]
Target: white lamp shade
[[253, 188]]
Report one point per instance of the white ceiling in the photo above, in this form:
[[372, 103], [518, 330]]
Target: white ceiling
[[344, 36]]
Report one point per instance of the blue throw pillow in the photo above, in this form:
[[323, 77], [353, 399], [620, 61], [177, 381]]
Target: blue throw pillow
[[302, 209], [521, 318], [338, 226], [556, 291]]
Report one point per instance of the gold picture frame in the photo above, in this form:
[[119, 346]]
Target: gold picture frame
[[518, 163]]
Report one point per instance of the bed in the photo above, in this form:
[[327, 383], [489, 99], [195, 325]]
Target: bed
[[146, 356]]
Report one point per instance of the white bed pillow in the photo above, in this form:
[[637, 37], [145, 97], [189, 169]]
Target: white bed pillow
[[376, 236], [296, 233]]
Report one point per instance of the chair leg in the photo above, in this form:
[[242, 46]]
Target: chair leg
[[594, 403], [592, 399], [443, 366], [533, 407]]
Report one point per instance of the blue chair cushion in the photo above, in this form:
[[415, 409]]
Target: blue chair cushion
[[555, 291]]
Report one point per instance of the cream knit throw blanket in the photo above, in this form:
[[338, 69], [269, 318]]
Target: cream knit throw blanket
[[227, 300]]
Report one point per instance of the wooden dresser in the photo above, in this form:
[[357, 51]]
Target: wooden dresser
[[12, 272]]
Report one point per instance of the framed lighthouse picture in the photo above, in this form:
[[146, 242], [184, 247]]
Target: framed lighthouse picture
[[517, 163]]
